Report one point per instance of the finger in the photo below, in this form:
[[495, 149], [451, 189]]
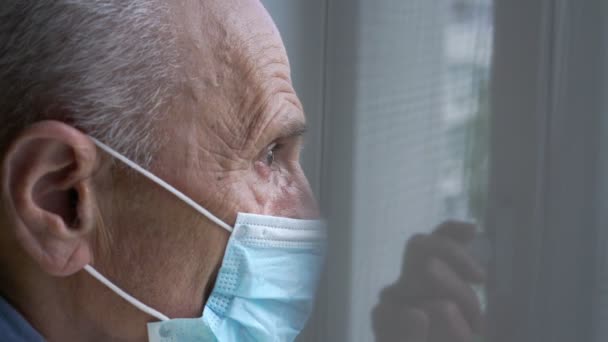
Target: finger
[[393, 321], [414, 253], [454, 254], [447, 323], [458, 231], [445, 283], [415, 326]]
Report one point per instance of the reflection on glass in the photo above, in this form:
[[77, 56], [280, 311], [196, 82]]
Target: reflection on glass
[[468, 52], [438, 296]]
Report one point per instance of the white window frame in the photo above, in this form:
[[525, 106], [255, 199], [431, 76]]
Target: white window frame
[[545, 207]]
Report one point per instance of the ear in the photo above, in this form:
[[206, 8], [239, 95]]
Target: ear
[[47, 189]]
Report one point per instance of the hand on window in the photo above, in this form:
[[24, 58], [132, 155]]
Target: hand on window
[[433, 301]]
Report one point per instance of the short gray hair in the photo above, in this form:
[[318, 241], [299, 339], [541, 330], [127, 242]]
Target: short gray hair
[[107, 67]]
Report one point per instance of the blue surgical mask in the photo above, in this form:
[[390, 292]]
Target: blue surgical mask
[[265, 287]]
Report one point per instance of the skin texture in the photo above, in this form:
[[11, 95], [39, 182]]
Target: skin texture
[[233, 142]]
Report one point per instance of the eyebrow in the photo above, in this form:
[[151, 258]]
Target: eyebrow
[[293, 129]]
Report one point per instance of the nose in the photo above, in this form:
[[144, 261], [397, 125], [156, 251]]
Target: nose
[[308, 202]]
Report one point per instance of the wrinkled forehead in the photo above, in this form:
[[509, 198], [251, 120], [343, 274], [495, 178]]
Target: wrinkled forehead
[[227, 23], [234, 55]]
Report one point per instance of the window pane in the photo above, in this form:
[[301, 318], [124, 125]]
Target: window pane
[[478, 110], [420, 121]]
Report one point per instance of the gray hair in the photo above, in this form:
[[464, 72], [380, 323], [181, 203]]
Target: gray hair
[[107, 67]]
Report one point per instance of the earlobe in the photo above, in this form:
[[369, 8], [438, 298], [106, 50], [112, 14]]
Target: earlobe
[[48, 191]]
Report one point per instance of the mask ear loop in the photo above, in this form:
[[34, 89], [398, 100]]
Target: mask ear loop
[[89, 269], [132, 300], [163, 184]]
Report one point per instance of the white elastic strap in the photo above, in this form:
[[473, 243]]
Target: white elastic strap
[[163, 184], [141, 306]]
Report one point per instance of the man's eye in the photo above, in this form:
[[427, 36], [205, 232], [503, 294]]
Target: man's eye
[[269, 159]]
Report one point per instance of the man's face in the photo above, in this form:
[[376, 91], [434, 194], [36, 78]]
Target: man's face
[[231, 143]]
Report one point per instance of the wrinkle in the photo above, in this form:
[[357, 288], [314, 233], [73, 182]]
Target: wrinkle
[[244, 98], [227, 161], [262, 126]]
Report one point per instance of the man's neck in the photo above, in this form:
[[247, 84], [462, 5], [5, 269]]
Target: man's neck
[[76, 308]]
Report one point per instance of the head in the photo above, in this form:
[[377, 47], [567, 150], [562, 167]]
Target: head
[[198, 92]]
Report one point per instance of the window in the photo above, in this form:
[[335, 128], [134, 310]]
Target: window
[[488, 111]]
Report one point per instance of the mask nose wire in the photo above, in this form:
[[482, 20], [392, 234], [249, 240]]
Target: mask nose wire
[[163, 184]]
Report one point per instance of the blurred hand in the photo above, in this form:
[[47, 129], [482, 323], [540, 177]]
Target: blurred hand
[[433, 301]]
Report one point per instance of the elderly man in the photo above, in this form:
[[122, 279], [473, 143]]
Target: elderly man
[[134, 136]]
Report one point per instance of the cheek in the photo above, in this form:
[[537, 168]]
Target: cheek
[[275, 193], [186, 249], [291, 196], [263, 171]]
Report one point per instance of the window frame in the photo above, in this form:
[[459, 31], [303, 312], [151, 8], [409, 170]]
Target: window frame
[[546, 145]]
